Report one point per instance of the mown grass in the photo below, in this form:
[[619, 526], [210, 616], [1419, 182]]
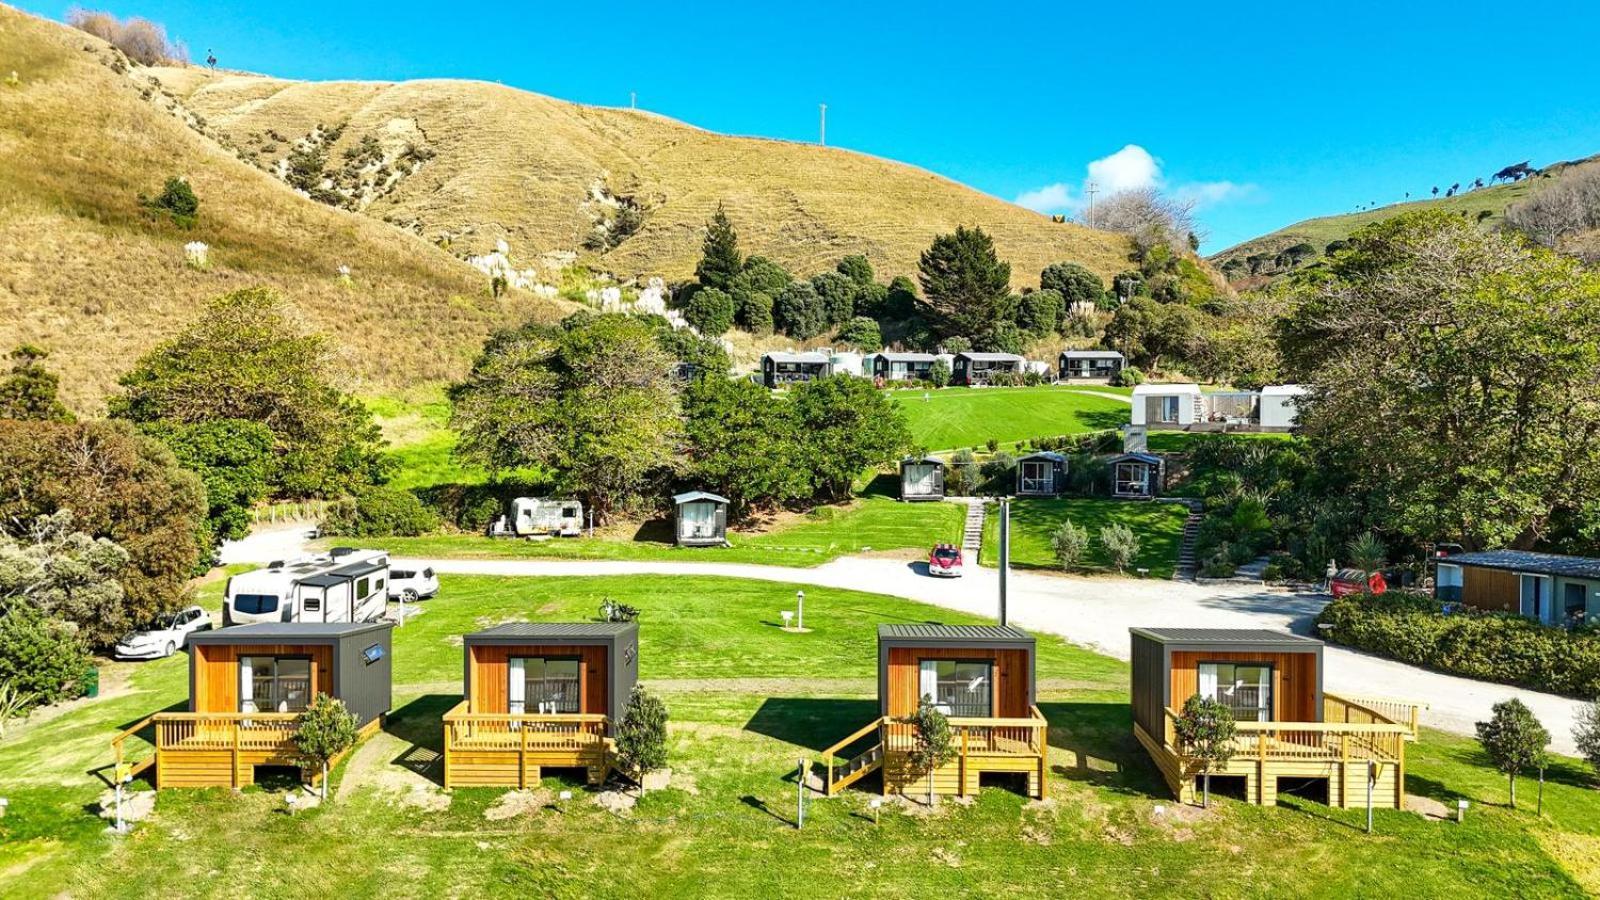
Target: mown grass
[[747, 700], [1159, 527], [869, 523], [1179, 441], [954, 418]]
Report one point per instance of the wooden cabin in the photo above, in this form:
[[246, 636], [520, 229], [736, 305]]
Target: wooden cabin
[[247, 685], [701, 519], [1137, 476], [982, 678], [889, 366], [1042, 474], [921, 479], [978, 369], [1089, 365], [540, 695], [1555, 590], [1290, 732], [781, 369]]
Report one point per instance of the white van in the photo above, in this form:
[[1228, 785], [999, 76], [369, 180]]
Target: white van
[[537, 516], [347, 585]]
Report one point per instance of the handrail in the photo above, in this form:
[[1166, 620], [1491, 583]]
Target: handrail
[[1325, 727], [557, 718], [1376, 701], [225, 716], [870, 726]]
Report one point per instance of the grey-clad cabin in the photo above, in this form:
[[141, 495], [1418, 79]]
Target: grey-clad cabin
[[540, 695], [890, 366], [701, 519], [779, 369], [977, 369], [1042, 474], [1554, 589], [1137, 476], [922, 479], [1089, 365]]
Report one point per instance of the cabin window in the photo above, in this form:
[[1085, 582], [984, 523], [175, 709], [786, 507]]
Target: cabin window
[[1246, 690], [959, 687], [1574, 603], [1448, 583], [1035, 477], [1133, 478], [543, 685], [1169, 409], [698, 520], [1535, 596], [255, 604], [922, 480], [274, 683]]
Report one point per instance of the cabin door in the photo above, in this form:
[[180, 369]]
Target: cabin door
[[1246, 690], [544, 685], [274, 683], [1535, 599], [1035, 477], [961, 688]]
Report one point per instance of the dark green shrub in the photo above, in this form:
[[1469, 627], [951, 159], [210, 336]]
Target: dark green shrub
[[863, 333], [379, 511], [710, 311], [1129, 377], [41, 656], [642, 733], [176, 201]]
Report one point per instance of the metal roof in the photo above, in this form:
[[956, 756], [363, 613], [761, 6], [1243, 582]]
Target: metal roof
[[797, 357], [324, 581], [553, 631], [691, 496], [1528, 561], [993, 357], [355, 570], [1227, 636], [970, 633], [1150, 458], [1283, 390], [284, 632], [907, 357], [929, 460], [1148, 389], [1044, 454], [1090, 354]]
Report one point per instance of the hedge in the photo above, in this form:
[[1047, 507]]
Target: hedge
[[1500, 647]]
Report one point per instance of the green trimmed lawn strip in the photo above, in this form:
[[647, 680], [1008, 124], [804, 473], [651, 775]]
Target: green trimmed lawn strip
[[1034, 522], [953, 418]]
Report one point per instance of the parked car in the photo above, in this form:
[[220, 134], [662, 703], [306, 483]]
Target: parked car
[[164, 636], [1355, 581], [412, 585], [944, 561]]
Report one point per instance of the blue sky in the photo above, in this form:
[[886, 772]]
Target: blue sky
[[1265, 113]]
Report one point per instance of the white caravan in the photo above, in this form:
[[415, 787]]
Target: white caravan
[[347, 585], [536, 516]]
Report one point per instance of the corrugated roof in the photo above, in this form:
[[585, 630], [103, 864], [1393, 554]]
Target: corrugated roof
[[680, 499], [1044, 454], [285, 631], [1090, 354], [1150, 458], [1528, 561], [1178, 387], [554, 630], [993, 357], [797, 357], [998, 633], [907, 357], [1223, 636]]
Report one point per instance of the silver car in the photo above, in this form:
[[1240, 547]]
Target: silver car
[[165, 636]]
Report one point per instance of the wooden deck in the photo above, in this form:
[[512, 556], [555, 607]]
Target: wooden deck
[[993, 745], [504, 750], [1355, 741], [215, 749]]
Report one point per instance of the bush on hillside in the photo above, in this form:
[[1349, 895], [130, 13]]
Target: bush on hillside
[[1041, 312], [176, 201], [799, 312], [1128, 377], [753, 311], [1510, 649], [710, 311], [1074, 283], [41, 656], [863, 333], [838, 295], [378, 511]]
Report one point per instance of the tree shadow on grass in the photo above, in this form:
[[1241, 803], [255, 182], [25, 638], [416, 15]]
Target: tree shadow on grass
[[883, 484], [420, 724], [1097, 743], [812, 723], [1104, 419]]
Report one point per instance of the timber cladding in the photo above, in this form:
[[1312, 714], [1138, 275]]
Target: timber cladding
[[488, 674], [1013, 695], [214, 672], [1295, 688], [1491, 589]]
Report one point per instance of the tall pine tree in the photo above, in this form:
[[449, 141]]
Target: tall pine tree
[[966, 288], [720, 260]]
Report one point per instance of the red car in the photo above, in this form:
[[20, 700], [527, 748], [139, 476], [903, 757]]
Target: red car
[[944, 561], [1355, 581]]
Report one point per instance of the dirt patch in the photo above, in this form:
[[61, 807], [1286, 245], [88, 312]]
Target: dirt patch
[[618, 801], [1172, 815], [1118, 835], [374, 766], [136, 805], [948, 857], [910, 554], [1427, 807], [687, 783], [1035, 835], [517, 803]]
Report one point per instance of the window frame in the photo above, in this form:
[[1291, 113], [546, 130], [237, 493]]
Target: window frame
[[1270, 709]]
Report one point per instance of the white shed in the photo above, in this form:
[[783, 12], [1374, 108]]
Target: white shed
[[845, 362], [1280, 405], [1166, 405]]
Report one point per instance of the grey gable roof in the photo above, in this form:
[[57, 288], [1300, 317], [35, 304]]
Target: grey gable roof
[[1528, 561], [1090, 354], [285, 632], [553, 631], [993, 357], [1223, 637], [1000, 634]]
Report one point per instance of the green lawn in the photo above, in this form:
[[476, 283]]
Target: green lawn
[[1178, 441], [746, 700], [1033, 523], [420, 440], [953, 418], [873, 522]]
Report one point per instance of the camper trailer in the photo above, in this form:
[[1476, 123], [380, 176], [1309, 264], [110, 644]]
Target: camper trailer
[[536, 516], [347, 585]]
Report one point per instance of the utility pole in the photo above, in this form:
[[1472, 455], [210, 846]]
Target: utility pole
[[1005, 553], [633, 99], [1091, 189], [822, 137]]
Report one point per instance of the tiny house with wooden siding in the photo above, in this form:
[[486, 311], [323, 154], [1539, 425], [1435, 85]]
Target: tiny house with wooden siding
[[540, 695], [1554, 589], [1288, 729]]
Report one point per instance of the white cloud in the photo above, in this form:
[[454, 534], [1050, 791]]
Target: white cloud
[[1130, 169], [1211, 193], [1052, 198]]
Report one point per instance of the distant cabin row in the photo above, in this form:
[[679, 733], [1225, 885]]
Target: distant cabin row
[[968, 369], [1134, 476]]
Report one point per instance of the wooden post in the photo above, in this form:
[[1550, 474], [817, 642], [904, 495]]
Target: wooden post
[[235, 776], [522, 756], [962, 790]]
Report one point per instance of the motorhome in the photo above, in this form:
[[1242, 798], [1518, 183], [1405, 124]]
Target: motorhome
[[346, 585], [538, 516]]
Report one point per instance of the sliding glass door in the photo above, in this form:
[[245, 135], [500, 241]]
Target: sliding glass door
[[1245, 689], [963, 688]]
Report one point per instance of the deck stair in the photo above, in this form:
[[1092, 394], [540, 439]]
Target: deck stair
[[972, 531], [864, 764], [1188, 566]]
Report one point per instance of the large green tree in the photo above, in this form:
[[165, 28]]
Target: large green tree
[[66, 575], [1076, 284], [246, 357], [846, 425], [966, 288], [232, 458], [1455, 374], [29, 392], [743, 443], [591, 401], [720, 261]]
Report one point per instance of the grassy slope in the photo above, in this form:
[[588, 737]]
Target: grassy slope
[[869, 523], [1159, 527], [517, 165], [97, 283], [963, 417], [707, 646]]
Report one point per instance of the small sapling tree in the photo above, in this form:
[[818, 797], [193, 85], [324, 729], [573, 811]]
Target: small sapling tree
[[1205, 732], [1586, 733], [325, 730], [932, 744], [1121, 544], [1514, 740], [642, 735], [1070, 543]]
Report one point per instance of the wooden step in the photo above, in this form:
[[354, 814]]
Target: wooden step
[[864, 764]]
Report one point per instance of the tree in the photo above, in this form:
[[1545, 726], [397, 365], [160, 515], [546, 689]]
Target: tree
[[1001, 337], [962, 476], [1070, 543], [1565, 208], [720, 261], [642, 734], [1452, 371], [1076, 284], [120, 486], [63, 573], [900, 303], [710, 311], [232, 458], [379, 511], [1368, 553], [1586, 733], [591, 400], [862, 333], [932, 742], [858, 269], [247, 358], [845, 425], [939, 372], [800, 312], [1040, 313], [322, 731], [1205, 731], [177, 201], [29, 392], [965, 287], [1514, 740], [41, 657], [1149, 217], [754, 313], [838, 295], [743, 443], [1121, 544]]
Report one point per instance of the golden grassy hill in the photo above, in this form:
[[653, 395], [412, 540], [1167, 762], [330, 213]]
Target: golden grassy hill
[[85, 273], [505, 163]]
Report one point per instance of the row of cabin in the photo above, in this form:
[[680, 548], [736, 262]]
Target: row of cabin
[[1550, 588], [780, 369], [1186, 407], [1134, 476], [539, 696]]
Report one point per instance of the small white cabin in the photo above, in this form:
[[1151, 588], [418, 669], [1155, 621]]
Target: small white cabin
[[1280, 406], [347, 585], [540, 516], [1168, 405], [845, 362]]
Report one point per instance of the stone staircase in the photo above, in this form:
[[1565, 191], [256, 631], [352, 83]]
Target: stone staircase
[[972, 532], [1188, 566]]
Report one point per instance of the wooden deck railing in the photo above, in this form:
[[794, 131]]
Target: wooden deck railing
[[1383, 741], [970, 736], [465, 730], [119, 754], [1339, 708], [224, 731]]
